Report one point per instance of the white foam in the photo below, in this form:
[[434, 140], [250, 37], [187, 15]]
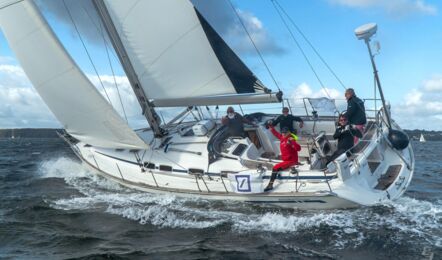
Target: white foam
[[417, 217], [161, 216], [61, 167], [348, 226], [75, 174], [407, 216]]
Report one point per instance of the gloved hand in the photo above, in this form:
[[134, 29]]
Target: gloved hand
[[347, 128]]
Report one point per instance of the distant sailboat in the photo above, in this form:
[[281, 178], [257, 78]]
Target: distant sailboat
[[422, 139], [12, 134]]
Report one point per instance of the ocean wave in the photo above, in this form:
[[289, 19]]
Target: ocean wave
[[61, 167], [407, 217], [75, 174]]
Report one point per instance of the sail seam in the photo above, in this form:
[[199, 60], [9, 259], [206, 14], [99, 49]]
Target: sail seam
[[10, 4], [168, 48], [38, 29], [56, 76], [130, 11], [210, 81]]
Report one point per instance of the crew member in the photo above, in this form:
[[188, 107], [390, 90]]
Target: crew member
[[286, 120], [345, 134], [355, 111], [289, 153], [235, 122]]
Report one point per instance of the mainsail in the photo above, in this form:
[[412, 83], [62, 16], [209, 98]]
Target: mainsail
[[177, 55], [76, 103]]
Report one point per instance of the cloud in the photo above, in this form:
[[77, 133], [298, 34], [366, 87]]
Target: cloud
[[83, 13], [223, 18], [117, 87], [6, 60], [22, 107], [421, 108], [397, 8], [433, 85], [305, 91], [218, 13], [20, 104]]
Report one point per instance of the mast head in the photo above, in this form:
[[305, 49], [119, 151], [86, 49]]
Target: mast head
[[364, 32]]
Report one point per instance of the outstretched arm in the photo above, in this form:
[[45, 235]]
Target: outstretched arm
[[298, 119], [275, 133], [276, 121]]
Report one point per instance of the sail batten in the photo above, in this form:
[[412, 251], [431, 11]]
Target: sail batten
[[175, 52], [69, 94]]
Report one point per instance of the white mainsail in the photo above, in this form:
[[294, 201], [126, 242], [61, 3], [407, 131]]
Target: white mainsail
[[422, 139], [181, 56], [76, 103]]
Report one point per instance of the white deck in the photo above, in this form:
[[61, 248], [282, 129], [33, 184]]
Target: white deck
[[185, 170]]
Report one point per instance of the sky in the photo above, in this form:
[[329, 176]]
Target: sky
[[409, 60]]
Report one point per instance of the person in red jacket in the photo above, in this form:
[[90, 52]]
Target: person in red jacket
[[289, 153]]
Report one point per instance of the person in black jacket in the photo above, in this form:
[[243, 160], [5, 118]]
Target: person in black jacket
[[235, 122], [345, 134], [355, 111], [286, 120]]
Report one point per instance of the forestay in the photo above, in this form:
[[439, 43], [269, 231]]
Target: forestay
[[76, 103], [176, 54]]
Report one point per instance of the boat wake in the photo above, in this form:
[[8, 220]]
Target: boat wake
[[404, 219]]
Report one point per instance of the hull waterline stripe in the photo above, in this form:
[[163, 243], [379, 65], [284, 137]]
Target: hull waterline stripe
[[288, 201], [302, 177], [218, 174]]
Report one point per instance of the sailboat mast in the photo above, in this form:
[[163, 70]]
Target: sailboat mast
[[147, 107]]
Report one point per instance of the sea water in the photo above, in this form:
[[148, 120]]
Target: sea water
[[54, 208]]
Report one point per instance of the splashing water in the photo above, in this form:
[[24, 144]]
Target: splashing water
[[407, 217]]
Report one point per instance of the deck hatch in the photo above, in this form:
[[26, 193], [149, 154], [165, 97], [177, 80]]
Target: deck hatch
[[239, 149], [373, 166], [165, 168], [388, 177]]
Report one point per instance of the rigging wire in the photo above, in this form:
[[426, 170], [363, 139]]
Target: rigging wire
[[301, 50], [310, 44], [100, 29], [316, 52], [113, 74], [85, 48], [254, 44]]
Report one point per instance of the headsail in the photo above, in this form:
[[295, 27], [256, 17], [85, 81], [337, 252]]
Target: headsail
[[76, 103], [176, 54]]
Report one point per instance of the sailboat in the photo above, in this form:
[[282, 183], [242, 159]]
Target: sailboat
[[183, 62], [422, 139]]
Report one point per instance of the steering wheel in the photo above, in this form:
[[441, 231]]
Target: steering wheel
[[319, 136], [324, 146]]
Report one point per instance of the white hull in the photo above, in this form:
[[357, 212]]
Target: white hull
[[375, 174]]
